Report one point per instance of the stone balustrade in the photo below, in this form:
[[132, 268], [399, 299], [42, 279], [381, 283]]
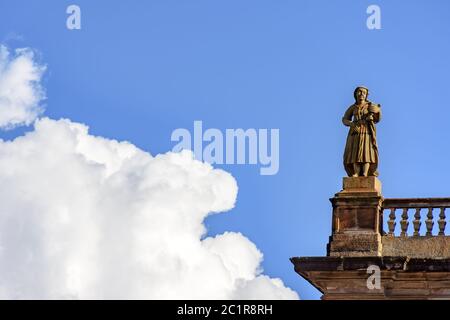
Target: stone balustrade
[[410, 214], [404, 238]]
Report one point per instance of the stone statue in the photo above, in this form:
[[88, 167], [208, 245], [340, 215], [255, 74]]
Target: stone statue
[[361, 150]]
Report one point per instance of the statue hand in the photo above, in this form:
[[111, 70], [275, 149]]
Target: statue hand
[[374, 108]]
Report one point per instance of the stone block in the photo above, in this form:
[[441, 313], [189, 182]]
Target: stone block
[[417, 247], [360, 187], [355, 244]]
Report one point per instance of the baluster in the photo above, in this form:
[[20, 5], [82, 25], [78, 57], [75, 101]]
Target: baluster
[[442, 222], [391, 222], [429, 222], [417, 223], [404, 223]]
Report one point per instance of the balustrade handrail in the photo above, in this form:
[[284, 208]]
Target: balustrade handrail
[[400, 203], [405, 204]]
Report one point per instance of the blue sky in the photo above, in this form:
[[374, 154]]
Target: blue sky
[[137, 70]]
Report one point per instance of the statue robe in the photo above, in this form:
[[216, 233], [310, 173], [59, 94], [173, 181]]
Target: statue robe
[[361, 146]]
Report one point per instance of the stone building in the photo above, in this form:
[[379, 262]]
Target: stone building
[[382, 248]]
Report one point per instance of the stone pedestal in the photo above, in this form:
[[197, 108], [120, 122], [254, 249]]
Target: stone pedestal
[[357, 219]]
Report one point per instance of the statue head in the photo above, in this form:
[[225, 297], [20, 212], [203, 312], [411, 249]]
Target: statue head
[[361, 94]]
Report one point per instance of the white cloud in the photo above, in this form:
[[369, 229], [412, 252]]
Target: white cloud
[[20, 90], [92, 218]]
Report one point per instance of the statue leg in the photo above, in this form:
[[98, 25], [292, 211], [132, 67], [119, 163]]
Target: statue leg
[[366, 167], [356, 170]]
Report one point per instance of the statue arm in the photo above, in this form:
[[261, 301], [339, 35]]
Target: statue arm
[[347, 118], [379, 113], [376, 110]]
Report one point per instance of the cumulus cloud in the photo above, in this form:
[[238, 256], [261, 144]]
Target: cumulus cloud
[[85, 217], [20, 89]]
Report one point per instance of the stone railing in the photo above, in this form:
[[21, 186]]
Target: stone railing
[[431, 211], [365, 224]]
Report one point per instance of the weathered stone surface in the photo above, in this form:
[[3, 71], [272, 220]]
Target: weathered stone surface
[[400, 277], [361, 184], [356, 218], [417, 247], [358, 206], [351, 216], [355, 244]]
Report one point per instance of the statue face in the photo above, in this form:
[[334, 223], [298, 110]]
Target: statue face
[[361, 95]]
